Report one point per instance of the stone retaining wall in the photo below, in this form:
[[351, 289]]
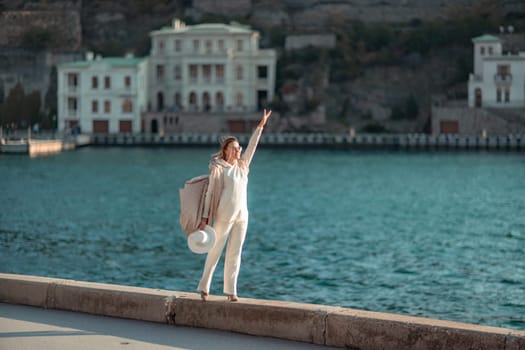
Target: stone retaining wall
[[321, 140], [317, 324]]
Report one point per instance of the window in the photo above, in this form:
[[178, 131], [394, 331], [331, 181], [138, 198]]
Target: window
[[219, 101], [503, 69], [491, 50], [193, 73], [178, 45], [160, 101], [127, 106], [107, 107], [94, 82], [239, 72], [239, 99], [208, 46], [160, 72], [107, 83], [72, 104], [161, 45], [220, 44], [72, 80], [193, 100], [482, 50], [498, 95], [177, 99], [206, 72], [262, 72], [127, 82], [219, 73], [177, 72], [196, 45], [94, 106], [479, 98], [240, 45], [206, 101], [507, 94]]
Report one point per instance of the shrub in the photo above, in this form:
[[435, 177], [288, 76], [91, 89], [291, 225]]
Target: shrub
[[37, 39], [374, 128]]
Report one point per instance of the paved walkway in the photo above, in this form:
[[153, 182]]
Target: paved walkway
[[25, 327]]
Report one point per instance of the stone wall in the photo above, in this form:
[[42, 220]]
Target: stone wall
[[475, 121], [230, 8], [63, 28]]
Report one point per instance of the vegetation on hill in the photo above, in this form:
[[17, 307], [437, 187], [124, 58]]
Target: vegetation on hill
[[395, 67]]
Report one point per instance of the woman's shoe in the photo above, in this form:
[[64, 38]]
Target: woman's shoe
[[233, 298], [204, 296]]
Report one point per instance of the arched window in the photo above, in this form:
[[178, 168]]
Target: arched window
[[239, 99], [206, 101], [478, 98], [193, 101], [219, 101]]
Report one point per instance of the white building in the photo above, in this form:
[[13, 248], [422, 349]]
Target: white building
[[209, 68], [498, 80], [102, 95]]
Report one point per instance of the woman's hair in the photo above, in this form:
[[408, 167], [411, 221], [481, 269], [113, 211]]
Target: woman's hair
[[225, 141]]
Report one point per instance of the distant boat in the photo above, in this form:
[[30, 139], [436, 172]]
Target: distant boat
[[20, 146], [36, 147]]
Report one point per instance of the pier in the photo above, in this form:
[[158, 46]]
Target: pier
[[324, 140], [307, 323]]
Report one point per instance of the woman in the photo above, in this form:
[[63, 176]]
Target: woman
[[226, 205]]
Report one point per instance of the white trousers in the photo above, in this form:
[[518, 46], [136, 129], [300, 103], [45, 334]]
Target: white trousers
[[234, 233]]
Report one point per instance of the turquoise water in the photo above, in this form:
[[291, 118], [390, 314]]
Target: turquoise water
[[438, 235]]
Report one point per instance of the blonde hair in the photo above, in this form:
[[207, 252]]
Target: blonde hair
[[225, 141]]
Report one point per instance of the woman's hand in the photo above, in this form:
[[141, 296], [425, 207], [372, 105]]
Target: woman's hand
[[203, 223], [265, 117]]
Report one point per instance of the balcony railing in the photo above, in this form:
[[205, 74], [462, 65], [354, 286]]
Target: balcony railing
[[503, 78]]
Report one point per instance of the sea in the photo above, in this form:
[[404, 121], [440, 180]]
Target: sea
[[438, 234]]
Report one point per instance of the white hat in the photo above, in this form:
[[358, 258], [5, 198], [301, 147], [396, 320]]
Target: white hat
[[201, 241]]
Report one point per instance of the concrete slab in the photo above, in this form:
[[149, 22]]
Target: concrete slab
[[26, 327]]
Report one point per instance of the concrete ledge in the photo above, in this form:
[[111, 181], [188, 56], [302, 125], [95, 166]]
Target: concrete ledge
[[292, 321], [332, 326]]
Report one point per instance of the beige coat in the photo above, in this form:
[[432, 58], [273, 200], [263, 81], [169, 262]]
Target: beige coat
[[226, 197]]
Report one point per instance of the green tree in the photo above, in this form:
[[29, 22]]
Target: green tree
[[397, 113], [37, 39], [411, 107], [31, 108], [13, 106]]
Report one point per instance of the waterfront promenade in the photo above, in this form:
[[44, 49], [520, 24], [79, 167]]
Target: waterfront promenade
[[155, 311], [29, 328]]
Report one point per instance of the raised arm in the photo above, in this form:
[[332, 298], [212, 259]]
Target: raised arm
[[254, 139]]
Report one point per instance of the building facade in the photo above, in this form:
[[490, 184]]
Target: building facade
[[498, 80], [197, 78], [102, 95], [209, 68]]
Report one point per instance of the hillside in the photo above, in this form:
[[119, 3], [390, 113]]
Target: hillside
[[391, 56]]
